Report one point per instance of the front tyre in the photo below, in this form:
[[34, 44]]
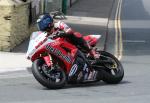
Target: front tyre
[[50, 78], [114, 71]]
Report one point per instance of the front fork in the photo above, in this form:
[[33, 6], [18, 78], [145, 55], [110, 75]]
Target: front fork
[[48, 60]]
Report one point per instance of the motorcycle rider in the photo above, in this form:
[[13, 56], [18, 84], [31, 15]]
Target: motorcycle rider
[[46, 23]]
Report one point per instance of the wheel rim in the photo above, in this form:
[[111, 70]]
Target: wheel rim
[[54, 75], [112, 67]]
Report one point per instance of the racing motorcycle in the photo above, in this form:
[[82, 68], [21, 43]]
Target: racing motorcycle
[[56, 61]]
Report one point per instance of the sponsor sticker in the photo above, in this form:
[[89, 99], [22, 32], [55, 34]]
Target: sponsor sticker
[[58, 53], [73, 69]]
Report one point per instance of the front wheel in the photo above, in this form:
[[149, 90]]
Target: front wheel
[[50, 78], [114, 71]]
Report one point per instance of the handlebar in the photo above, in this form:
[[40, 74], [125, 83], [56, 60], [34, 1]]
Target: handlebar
[[57, 34]]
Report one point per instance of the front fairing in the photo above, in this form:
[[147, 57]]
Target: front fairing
[[52, 47], [35, 39]]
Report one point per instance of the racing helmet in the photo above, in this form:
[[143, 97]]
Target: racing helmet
[[45, 22]]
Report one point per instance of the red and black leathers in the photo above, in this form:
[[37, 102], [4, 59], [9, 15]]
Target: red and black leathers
[[75, 37]]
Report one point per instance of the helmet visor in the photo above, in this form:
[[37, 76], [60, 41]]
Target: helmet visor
[[44, 23]]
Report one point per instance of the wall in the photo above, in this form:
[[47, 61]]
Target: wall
[[16, 16], [14, 25]]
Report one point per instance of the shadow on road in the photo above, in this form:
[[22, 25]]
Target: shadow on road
[[87, 85], [22, 48]]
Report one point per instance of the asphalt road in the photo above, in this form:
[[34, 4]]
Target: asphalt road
[[135, 20], [21, 87]]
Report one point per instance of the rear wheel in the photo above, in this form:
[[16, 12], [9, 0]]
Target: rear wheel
[[51, 78], [114, 71]]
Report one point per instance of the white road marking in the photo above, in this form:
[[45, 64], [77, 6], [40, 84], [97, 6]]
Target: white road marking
[[118, 30], [134, 41], [3, 70], [10, 76], [86, 20], [7, 74], [136, 24]]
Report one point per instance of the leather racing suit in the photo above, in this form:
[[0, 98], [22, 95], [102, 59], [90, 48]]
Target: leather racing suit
[[75, 37]]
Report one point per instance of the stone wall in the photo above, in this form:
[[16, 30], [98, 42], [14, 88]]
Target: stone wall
[[14, 19], [13, 24]]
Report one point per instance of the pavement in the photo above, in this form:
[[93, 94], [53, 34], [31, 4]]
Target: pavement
[[86, 12]]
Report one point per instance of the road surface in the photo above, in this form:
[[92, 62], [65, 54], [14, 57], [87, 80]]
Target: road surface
[[133, 46]]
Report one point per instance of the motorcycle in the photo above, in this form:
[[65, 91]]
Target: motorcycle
[[57, 62]]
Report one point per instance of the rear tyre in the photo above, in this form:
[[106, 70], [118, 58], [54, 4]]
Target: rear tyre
[[114, 71], [50, 78]]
